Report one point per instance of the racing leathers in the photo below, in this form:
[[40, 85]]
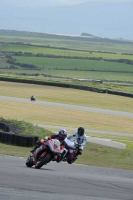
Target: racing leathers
[[42, 141], [80, 140]]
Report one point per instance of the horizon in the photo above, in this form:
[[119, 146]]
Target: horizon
[[70, 35]]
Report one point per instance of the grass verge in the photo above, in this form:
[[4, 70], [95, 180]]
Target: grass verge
[[93, 155]]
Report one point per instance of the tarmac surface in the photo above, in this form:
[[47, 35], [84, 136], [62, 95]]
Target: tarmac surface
[[61, 181]]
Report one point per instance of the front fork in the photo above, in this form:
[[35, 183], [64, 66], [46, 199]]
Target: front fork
[[39, 151]]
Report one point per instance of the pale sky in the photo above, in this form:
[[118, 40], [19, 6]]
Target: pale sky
[[54, 2], [103, 18]]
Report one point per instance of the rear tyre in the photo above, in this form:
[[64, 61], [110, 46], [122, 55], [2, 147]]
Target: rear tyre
[[69, 161], [29, 161], [43, 161]]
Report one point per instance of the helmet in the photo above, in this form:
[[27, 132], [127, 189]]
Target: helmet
[[62, 134], [81, 131]]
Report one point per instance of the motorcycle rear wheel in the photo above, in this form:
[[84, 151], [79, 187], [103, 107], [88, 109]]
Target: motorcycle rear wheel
[[43, 161]]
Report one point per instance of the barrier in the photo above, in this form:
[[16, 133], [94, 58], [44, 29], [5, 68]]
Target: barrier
[[12, 136]]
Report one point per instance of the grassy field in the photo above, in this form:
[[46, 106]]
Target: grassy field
[[73, 44], [3, 63], [54, 51], [62, 69], [78, 64], [70, 68]]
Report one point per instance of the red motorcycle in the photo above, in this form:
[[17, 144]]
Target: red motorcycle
[[44, 154]]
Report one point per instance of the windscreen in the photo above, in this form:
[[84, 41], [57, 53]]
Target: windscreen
[[56, 143]]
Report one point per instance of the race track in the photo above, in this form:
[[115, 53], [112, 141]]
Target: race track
[[61, 181], [68, 106]]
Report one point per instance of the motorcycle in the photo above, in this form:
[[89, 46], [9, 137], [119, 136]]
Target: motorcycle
[[44, 154], [71, 149], [33, 98]]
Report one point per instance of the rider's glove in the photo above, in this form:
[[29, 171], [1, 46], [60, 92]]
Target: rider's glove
[[76, 144], [47, 138], [38, 143], [79, 151]]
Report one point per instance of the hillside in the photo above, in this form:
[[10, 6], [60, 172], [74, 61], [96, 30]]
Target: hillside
[[82, 37]]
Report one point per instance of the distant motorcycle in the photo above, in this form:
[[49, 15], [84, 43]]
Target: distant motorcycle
[[33, 98], [44, 154], [72, 147]]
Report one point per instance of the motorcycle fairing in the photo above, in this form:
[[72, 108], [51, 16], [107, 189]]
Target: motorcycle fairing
[[54, 146]]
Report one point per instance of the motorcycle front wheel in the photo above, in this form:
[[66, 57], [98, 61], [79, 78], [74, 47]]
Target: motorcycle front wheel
[[29, 161], [71, 161], [43, 161]]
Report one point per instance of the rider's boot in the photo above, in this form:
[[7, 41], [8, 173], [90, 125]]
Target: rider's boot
[[54, 159], [60, 157]]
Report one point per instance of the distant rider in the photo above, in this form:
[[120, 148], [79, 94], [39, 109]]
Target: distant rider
[[32, 97]]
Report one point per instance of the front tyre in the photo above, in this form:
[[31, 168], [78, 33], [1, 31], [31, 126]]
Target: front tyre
[[29, 161], [43, 161], [71, 161]]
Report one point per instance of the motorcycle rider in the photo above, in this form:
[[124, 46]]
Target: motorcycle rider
[[32, 97], [81, 139], [62, 134]]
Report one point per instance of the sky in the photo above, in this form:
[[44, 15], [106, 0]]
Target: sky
[[103, 18]]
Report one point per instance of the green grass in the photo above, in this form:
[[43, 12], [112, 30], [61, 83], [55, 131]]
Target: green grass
[[28, 128], [73, 44], [3, 63], [102, 156], [78, 64], [53, 51]]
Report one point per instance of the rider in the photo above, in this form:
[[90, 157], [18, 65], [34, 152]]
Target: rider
[[62, 134], [32, 97], [81, 139]]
